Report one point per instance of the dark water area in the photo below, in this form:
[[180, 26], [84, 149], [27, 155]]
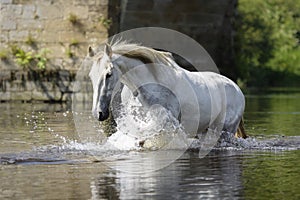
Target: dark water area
[[42, 157]]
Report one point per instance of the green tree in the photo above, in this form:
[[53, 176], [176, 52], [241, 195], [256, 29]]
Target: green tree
[[267, 41]]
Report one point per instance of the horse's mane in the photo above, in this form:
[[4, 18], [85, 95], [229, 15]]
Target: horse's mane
[[145, 54]]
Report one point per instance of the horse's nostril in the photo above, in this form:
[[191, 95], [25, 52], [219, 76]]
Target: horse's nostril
[[100, 116]]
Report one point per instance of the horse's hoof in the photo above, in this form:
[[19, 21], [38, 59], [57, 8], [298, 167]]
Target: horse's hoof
[[141, 143]]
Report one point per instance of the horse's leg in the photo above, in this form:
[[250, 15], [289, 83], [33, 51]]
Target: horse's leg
[[241, 133], [236, 127], [109, 126]]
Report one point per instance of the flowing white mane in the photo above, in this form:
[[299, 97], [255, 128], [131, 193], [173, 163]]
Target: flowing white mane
[[145, 54]]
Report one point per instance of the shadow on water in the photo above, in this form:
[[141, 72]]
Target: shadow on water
[[41, 157]]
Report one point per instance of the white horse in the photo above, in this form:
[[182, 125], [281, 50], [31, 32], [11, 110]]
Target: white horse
[[208, 99]]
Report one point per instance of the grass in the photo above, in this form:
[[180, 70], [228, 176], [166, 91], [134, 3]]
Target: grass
[[3, 55], [105, 22], [74, 42], [69, 53], [30, 41], [73, 19]]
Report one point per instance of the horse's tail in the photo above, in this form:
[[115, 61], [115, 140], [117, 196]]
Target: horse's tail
[[241, 133]]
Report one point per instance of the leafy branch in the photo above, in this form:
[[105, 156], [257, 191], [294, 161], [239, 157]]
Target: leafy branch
[[28, 59]]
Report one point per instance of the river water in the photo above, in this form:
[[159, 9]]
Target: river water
[[41, 157]]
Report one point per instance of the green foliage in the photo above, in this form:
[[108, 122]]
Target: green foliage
[[69, 53], [3, 55], [23, 58], [14, 49], [74, 42], [30, 41], [73, 18], [41, 59], [29, 59], [105, 22], [267, 39]]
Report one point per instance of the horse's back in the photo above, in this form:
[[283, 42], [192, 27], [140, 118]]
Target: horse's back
[[224, 100]]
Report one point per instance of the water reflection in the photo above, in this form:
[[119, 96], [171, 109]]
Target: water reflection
[[272, 175], [273, 114], [187, 178]]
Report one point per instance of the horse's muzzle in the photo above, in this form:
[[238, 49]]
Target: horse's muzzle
[[103, 116]]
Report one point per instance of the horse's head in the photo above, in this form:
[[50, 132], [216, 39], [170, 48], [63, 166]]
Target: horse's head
[[104, 77]]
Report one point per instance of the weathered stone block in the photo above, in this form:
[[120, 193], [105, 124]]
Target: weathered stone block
[[30, 86], [21, 96], [20, 75], [6, 1], [81, 97], [28, 12], [48, 2], [5, 96], [18, 36], [64, 86], [14, 10], [84, 2], [3, 86], [4, 37], [44, 86], [57, 25], [5, 75], [103, 2], [64, 75], [82, 12], [17, 86], [49, 11], [57, 61], [48, 36], [8, 24], [67, 97], [69, 36], [94, 17], [96, 37], [55, 51], [46, 96], [30, 24], [100, 9]]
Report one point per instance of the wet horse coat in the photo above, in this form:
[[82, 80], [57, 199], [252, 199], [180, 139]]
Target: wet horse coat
[[206, 98]]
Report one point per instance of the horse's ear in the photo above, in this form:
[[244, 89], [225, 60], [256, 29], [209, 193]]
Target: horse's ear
[[108, 50], [91, 52]]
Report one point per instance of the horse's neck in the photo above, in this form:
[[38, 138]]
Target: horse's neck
[[126, 66]]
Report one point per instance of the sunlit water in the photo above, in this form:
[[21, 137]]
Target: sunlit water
[[42, 157]]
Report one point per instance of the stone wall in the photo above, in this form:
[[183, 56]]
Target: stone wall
[[207, 21], [63, 27]]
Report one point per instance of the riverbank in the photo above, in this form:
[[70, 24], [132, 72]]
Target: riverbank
[[29, 85]]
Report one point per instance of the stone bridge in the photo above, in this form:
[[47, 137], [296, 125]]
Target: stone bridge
[[66, 28]]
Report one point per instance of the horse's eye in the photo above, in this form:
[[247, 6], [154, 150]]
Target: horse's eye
[[108, 75]]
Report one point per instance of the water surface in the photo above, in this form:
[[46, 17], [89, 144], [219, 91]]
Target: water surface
[[41, 157]]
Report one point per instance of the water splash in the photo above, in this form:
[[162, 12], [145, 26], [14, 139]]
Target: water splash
[[152, 128], [155, 127], [273, 143]]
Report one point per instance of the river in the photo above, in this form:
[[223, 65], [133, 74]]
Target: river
[[41, 157]]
